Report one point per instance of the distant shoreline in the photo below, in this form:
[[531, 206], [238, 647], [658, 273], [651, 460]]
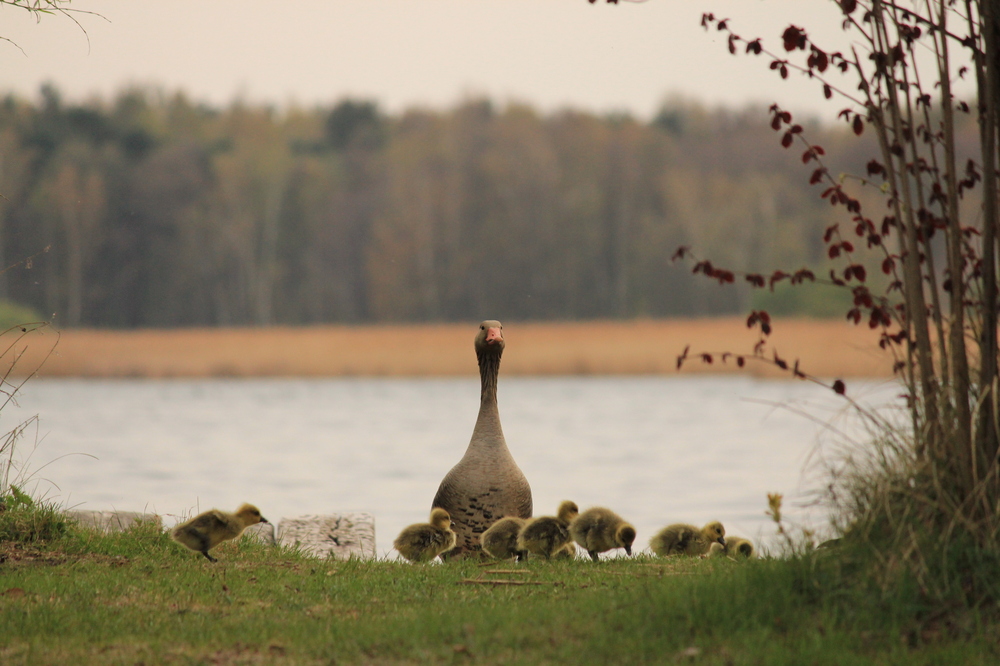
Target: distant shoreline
[[824, 348]]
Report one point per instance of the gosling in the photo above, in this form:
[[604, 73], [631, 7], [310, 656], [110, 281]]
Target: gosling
[[423, 542], [598, 530], [207, 530], [500, 540], [683, 539], [735, 547], [547, 535]]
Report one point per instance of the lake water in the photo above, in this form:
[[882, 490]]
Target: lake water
[[655, 449]]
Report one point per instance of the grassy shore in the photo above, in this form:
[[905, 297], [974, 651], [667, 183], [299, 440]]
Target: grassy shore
[[137, 597], [825, 348]]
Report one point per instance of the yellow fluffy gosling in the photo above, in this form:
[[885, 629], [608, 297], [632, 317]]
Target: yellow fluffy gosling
[[207, 530], [598, 530], [683, 539], [500, 540], [735, 547], [547, 535], [423, 542]]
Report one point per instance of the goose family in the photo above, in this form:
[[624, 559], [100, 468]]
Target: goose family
[[210, 528], [547, 535], [598, 530], [683, 539], [486, 484], [500, 540], [423, 542]]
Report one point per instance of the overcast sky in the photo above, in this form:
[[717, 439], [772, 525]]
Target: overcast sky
[[549, 53]]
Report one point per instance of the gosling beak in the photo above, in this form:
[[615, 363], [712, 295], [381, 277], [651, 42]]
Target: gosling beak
[[628, 550], [264, 520], [721, 540]]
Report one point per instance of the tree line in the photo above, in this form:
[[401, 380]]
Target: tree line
[[152, 210]]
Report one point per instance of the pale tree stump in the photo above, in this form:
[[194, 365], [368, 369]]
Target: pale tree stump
[[340, 536], [262, 531]]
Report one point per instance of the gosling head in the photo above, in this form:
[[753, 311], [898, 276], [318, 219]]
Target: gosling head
[[250, 515], [744, 548], [625, 536], [715, 532], [568, 511], [440, 519], [489, 340]]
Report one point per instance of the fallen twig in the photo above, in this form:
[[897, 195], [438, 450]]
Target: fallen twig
[[474, 581]]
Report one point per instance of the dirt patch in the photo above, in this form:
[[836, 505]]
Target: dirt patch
[[14, 554]]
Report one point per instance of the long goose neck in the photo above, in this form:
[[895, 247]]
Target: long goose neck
[[489, 370], [488, 432]]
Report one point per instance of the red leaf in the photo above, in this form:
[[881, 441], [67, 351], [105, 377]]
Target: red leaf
[[786, 140], [887, 265], [706, 358], [739, 361], [838, 387], [794, 38], [833, 252], [827, 92], [817, 176], [859, 125]]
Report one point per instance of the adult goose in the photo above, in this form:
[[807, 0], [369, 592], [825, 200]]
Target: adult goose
[[486, 484]]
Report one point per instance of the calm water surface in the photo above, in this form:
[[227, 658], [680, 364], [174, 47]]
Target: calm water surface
[[655, 449]]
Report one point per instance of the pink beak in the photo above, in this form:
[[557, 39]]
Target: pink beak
[[493, 336]]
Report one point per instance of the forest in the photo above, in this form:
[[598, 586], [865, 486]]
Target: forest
[[153, 210]]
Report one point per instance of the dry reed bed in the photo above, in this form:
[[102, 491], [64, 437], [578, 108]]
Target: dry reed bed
[[824, 348]]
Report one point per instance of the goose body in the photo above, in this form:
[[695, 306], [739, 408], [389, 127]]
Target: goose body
[[423, 542], [735, 547], [548, 535], [486, 483], [598, 530], [683, 539], [210, 528], [500, 540]]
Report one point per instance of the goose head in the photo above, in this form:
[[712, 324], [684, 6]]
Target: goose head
[[489, 339], [715, 532], [568, 511], [440, 519], [625, 536], [250, 515]]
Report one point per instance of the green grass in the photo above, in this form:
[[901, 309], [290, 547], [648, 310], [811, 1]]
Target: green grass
[[138, 597]]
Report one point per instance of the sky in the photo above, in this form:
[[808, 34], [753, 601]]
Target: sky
[[551, 54]]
